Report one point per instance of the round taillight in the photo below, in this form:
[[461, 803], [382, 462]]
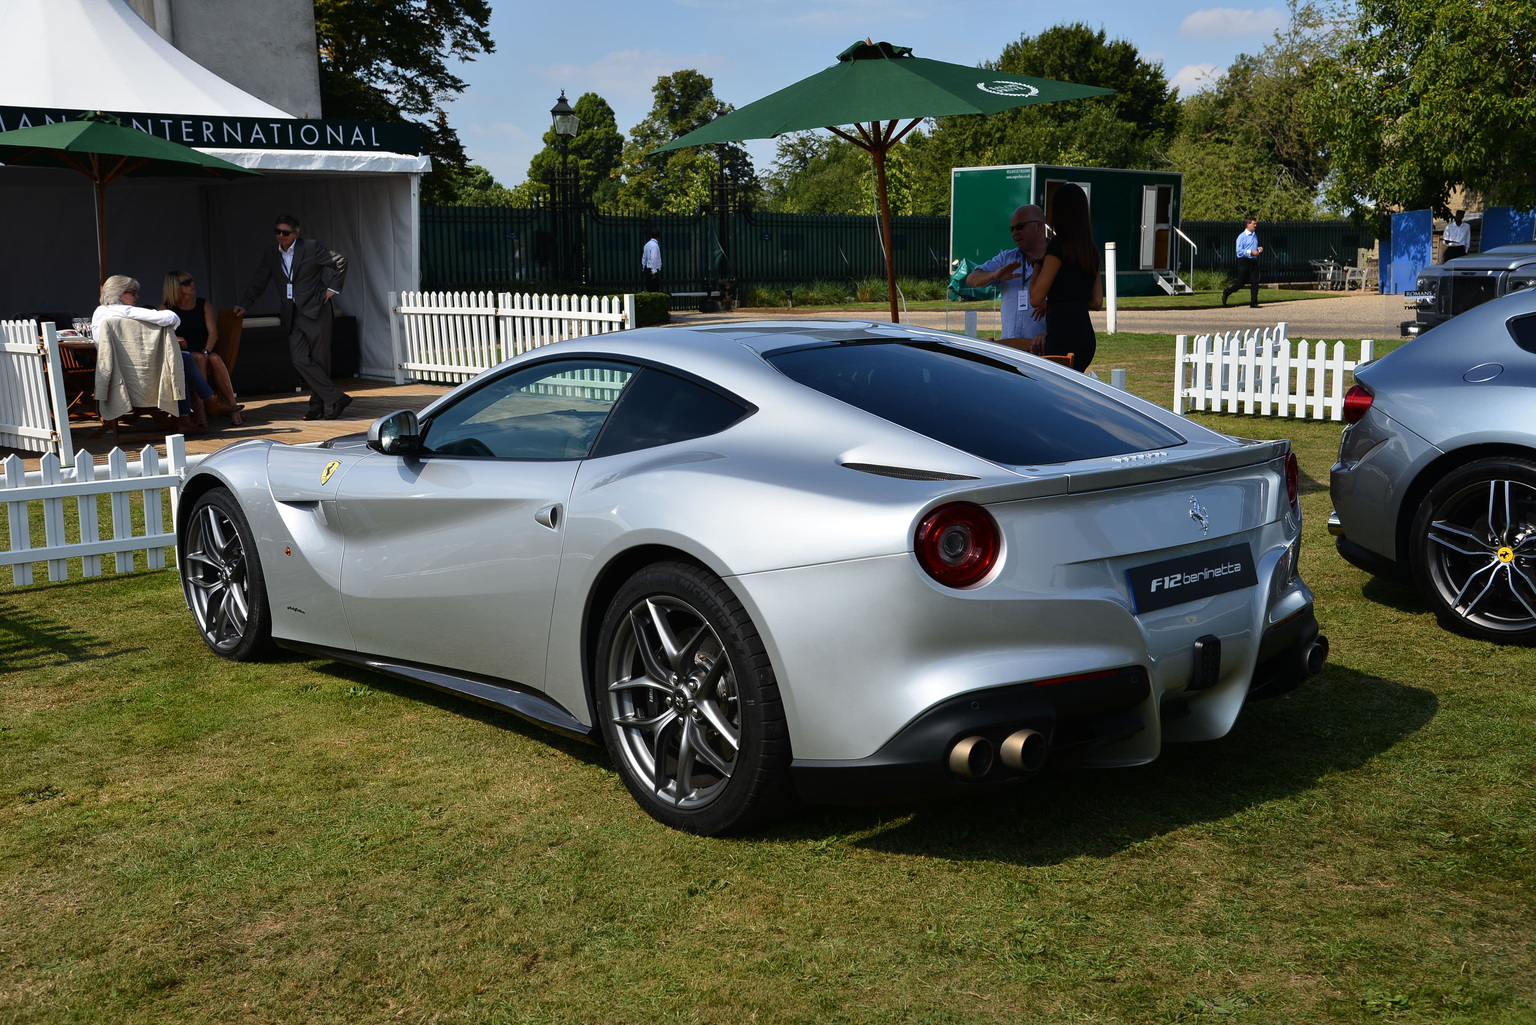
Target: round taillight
[[958, 544], [1293, 480], [1356, 401]]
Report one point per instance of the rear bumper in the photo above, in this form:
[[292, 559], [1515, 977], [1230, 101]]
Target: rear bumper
[[1075, 717]]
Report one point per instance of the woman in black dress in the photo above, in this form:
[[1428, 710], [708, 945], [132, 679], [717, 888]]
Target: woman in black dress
[[1068, 283], [200, 332]]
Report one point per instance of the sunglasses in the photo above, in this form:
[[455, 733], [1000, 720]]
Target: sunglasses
[[1016, 225], [280, 231], [184, 282]]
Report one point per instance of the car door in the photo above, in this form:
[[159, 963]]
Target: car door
[[452, 555]]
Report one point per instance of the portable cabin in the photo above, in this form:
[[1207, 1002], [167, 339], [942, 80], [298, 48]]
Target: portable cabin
[[1139, 211]]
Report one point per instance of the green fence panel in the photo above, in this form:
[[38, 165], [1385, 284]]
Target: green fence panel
[[1289, 246]]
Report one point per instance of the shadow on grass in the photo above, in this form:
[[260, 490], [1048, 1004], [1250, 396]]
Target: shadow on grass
[[1279, 748], [32, 640], [457, 704]]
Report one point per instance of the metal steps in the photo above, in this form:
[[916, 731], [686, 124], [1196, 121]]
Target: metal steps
[[1171, 283]]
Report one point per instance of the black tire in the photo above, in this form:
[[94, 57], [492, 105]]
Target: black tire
[[689, 705], [222, 579], [1474, 550]]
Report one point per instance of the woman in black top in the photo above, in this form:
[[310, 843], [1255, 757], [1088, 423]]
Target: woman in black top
[[200, 332], [1068, 283]]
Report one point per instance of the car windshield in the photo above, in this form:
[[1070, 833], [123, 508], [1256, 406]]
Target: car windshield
[[984, 406]]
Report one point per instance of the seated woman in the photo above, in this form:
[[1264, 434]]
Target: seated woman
[[201, 332], [116, 293]]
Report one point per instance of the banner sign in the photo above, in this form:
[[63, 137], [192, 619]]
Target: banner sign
[[204, 131]]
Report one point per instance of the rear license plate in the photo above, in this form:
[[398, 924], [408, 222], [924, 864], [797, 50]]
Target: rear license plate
[[1191, 577]]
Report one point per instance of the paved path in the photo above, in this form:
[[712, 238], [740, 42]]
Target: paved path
[[1344, 316]]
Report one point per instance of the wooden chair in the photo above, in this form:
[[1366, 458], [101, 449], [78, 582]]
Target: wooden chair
[[227, 348], [77, 366], [1063, 360]]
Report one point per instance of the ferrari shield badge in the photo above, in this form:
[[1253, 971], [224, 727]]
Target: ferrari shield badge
[[330, 468]]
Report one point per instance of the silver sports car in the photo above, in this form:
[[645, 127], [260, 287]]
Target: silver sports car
[[1437, 468], [838, 561]]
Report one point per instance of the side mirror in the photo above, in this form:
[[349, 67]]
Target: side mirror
[[398, 434]]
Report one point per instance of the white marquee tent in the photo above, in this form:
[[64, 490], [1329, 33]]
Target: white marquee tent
[[68, 56]]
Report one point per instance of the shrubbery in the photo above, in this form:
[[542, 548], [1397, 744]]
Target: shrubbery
[[840, 293], [652, 308]]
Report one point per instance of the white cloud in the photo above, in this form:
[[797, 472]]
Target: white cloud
[[1194, 78], [1227, 23]]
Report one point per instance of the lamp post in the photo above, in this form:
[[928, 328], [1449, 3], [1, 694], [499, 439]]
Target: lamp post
[[566, 125]]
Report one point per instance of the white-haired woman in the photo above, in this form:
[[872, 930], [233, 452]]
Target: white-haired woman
[[119, 298]]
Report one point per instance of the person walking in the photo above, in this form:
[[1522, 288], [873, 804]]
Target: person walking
[[1070, 284], [1248, 250], [650, 261], [310, 275], [1455, 239], [1010, 270]]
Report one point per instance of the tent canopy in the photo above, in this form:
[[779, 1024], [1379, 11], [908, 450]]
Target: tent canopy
[[360, 198]]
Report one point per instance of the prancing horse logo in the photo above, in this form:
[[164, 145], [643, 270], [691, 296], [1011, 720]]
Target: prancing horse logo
[[330, 468], [1198, 514]]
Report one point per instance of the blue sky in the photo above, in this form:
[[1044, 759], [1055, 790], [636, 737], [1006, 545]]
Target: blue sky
[[754, 47]]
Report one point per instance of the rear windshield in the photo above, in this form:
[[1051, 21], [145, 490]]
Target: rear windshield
[[983, 406]]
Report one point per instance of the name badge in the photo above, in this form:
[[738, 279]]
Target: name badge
[[290, 291]]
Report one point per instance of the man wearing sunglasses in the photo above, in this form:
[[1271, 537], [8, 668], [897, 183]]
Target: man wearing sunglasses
[[308, 274], [1010, 270]]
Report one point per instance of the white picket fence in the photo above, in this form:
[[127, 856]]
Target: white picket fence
[[1260, 372], [448, 337], [42, 496], [34, 417]]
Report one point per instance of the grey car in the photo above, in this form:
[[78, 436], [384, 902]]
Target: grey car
[[1445, 290], [1436, 475], [834, 560]]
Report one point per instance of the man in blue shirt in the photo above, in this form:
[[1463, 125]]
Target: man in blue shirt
[[1248, 250], [1011, 270]]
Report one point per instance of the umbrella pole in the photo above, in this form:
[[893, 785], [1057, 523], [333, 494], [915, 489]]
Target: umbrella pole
[[878, 153], [101, 232]]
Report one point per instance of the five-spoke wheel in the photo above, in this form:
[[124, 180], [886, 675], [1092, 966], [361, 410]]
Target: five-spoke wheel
[[221, 577], [690, 708], [1475, 549]]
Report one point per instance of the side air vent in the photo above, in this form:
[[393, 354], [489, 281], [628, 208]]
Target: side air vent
[[907, 472]]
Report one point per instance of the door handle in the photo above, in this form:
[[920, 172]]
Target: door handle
[[549, 516]]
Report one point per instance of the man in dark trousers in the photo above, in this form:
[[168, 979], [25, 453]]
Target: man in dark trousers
[[1248, 250], [309, 274]]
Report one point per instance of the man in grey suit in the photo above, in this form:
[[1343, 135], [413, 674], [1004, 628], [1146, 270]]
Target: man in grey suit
[[309, 275]]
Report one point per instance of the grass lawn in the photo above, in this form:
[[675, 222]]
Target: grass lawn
[[185, 840]]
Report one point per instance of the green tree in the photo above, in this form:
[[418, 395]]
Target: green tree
[[1431, 94], [816, 173], [1128, 129], [595, 153], [1252, 143], [473, 185], [680, 180], [388, 60]]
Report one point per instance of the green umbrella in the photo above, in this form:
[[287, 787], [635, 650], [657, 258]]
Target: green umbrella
[[875, 83], [104, 151]]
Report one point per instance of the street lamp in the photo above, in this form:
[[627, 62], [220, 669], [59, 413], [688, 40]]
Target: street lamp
[[567, 124]]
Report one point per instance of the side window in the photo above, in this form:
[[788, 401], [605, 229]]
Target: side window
[[659, 408], [1523, 330], [547, 411]]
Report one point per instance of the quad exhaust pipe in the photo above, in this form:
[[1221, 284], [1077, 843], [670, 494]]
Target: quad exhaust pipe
[[1022, 751]]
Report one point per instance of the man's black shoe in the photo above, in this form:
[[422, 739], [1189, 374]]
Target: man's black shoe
[[1224, 298], [340, 408], [315, 414], [1254, 306]]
